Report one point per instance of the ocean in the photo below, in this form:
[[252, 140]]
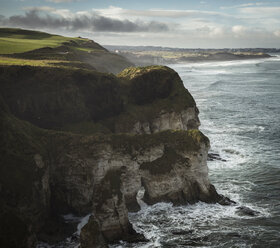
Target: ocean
[[239, 103]]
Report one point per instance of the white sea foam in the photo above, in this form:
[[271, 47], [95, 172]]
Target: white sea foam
[[83, 221], [159, 221]]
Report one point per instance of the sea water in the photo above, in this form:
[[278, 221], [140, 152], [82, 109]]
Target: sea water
[[239, 103]]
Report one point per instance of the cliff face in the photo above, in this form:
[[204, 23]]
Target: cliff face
[[143, 134], [24, 181], [105, 174], [53, 97], [157, 101], [139, 100]]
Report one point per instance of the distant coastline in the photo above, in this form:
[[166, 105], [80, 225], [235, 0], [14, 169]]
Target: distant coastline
[[163, 55]]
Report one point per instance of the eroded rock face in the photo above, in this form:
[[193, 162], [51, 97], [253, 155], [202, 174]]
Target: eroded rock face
[[153, 143], [170, 165], [184, 120]]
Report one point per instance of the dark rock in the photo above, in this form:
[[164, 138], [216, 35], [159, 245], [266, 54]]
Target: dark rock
[[182, 232], [215, 156], [226, 201], [110, 208], [56, 230], [91, 236], [15, 232], [243, 210], [191, 243]]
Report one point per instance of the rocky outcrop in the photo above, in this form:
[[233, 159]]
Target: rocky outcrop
[[151, 141], [156, 101], [139, 100], [91, 236], [104, 174], [184, 120]]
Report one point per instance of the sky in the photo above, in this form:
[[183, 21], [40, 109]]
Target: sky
[[171, 23]]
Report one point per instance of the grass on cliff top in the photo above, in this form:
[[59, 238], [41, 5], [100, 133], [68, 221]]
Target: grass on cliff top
[[31, 62], [19, 41], [177, 99], [133, 72]]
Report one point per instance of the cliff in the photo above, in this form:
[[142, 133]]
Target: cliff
[[151, 100], [107, 137], [24, 181], [75, 140]]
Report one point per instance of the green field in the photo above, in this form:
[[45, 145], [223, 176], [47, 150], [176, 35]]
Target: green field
[[33, 48], [14, 43], [19, 41]]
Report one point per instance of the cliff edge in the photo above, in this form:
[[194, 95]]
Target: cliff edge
[[84, 142]]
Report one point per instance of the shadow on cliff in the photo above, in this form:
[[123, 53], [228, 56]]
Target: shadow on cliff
[[86, 142]]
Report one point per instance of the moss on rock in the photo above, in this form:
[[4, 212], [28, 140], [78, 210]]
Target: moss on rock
[[163, 165], [88, 102], [53, 98], [132, 72], [179, 140]]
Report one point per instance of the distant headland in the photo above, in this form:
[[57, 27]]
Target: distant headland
[[148, 55]]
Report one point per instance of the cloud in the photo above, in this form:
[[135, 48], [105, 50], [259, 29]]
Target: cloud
[[261, 11], [277, 33], [239, 30], [33, 18], [211, 32], [41, 8], [250, 26], [113, 11], [242, 5]]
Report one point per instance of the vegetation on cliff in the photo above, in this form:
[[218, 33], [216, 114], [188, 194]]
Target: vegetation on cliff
[[59, 122], [177, 139], [85, 101], [26, 47], [151, 91]]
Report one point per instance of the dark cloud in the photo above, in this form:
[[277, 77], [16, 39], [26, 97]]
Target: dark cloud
[[94, 22]]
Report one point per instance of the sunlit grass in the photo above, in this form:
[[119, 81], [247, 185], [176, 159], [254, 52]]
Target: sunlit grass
[[16, 45], [19, 41], [30, 62]]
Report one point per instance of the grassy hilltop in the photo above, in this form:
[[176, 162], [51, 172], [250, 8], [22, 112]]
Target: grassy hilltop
[[20, 41], [26, 47]]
